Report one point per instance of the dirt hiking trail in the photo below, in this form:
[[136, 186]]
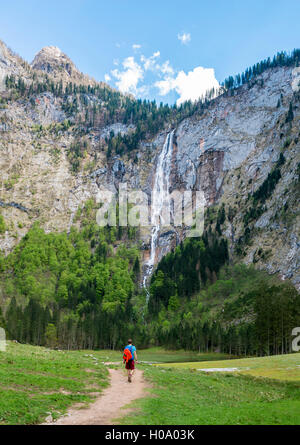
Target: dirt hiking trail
[[108, 406]]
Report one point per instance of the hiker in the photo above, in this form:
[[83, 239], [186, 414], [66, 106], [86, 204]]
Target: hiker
[[129, 357]]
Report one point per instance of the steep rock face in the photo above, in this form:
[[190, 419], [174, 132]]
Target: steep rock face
[[234, 126], [228, 152], [46, 110]]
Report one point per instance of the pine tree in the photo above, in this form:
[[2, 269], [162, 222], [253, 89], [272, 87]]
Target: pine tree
[[290, 114]]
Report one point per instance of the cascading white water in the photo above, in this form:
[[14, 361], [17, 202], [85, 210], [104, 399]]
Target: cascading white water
[[160, 205]]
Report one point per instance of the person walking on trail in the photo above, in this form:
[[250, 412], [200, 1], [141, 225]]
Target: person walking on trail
[[129, 358]]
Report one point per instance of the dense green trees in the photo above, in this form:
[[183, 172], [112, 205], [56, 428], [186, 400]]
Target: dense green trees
[[199, 301], [277, 311], [244, 312], [181, 272], [84, 292]]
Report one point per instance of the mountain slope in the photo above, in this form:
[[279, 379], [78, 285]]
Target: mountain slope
[[64, 138], [230, 150]]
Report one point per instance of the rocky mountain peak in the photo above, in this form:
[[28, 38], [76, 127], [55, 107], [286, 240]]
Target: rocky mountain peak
[[52, 60]]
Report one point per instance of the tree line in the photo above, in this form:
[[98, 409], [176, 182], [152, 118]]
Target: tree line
[[280, 59], [82, 290]]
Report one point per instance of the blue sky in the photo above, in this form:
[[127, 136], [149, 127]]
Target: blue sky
[[158, 49]]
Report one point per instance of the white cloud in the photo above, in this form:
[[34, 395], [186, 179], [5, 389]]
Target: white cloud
[[128, 79], [184, 37], [150, 62], [141, 76], [130, 72], [166, 68], [136, 46], [190, 86], [165, 86]]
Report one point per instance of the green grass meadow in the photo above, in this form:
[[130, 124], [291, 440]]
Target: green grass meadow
[[282, 367], [265, 391], [188, 397], [36, 382]]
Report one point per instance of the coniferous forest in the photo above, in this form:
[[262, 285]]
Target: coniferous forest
[[82, 290]]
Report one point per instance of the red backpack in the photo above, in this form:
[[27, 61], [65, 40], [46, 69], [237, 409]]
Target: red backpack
[[127, 355]]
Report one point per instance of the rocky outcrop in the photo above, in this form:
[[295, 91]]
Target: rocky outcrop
[[228, 151], [235, 126], [51, 60]]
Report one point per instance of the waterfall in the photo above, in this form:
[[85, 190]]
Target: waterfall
[[160, 205]]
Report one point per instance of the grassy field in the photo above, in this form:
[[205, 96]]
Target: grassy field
[[283, 367], [265, 391], [189, 397], [160, 355], [36, 382]]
